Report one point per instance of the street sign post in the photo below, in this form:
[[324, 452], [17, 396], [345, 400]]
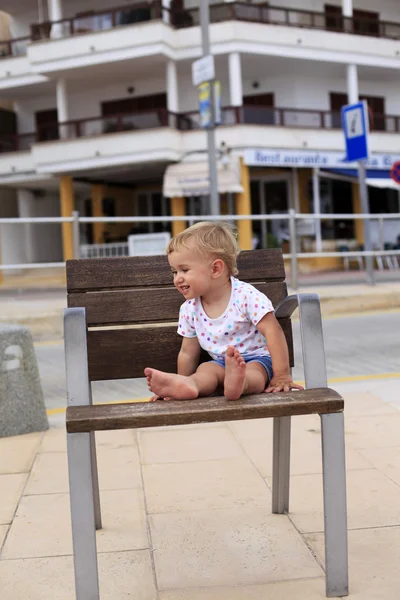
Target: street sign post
[[355, 122]]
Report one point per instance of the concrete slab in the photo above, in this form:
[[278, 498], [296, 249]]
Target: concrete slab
[[312, 589], [201, 485], [243, 546], [11, 487], [187, 444], [42, 525], [374, 558], [380, 431], [17, 453], [122, 575], [372, 501], [386, 460], [118, 469], [3, 533], [255, 438]]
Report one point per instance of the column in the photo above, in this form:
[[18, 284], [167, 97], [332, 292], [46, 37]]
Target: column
[[166, 16], [178, 209], [172, 87], [352, 84], [235, 79], [67, 207], [62, 106], [243, 207], [55, 14], [358, 225], [347, 8], [97, 211]]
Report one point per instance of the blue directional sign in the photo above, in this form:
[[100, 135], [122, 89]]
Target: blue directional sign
[[355, 124]]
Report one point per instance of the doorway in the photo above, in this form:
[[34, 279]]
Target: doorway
[[271, 195]]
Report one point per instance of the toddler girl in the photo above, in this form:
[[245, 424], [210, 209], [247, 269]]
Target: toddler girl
[[228, 318]]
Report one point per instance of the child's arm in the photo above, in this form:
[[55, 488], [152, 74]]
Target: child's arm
[[188, 357], [277, 346]]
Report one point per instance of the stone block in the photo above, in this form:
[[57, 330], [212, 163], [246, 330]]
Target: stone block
[[22, 408]]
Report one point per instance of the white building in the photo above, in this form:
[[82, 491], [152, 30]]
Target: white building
[[98, 102]]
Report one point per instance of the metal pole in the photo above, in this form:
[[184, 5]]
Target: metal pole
[[212, 156], [369, 260], [317, 210], [76, 242], [293, 249]]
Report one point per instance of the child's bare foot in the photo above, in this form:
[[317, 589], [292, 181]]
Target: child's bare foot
[[169, 385], [235, 372]]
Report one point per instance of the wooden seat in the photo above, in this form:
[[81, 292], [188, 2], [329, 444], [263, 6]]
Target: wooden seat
[[122, 317]]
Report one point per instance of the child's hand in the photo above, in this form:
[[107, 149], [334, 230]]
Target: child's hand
[[282, 383]]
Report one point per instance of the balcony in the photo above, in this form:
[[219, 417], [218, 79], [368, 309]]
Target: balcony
[[292, 118], [291, 17], [140, 12]]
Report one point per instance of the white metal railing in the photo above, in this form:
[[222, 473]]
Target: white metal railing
[[383, 257], [104, 250]]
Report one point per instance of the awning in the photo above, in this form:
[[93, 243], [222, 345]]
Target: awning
[[378, 178], [192, 179]]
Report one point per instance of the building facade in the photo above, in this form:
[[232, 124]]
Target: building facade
[[97, 104]]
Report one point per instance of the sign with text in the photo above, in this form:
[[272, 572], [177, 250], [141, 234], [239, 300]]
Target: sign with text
[[395, 172], [325, 159], [355, 122], [203, 70]]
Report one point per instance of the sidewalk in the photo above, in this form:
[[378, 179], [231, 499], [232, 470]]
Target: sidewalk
[[37, 299], [186, 510]]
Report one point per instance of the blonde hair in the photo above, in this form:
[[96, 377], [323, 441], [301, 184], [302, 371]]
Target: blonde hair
[[210, 238]]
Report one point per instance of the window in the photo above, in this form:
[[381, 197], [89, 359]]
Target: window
[[259, 109], [376, 105], [333, 17], [366, 22]]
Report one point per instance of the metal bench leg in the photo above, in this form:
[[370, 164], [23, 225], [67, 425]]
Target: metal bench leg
[[78, 385], [83, 516], [95, 481], [281, 465], [335, 511]]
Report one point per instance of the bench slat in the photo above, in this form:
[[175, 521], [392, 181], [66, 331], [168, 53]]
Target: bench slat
[[132, 306], [140, 271], [124, 353], [202, 410]]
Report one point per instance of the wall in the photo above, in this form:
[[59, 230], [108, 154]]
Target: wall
[[43, 241], [12, 242]]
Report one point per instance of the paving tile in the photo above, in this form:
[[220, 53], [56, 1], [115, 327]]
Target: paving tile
[[54, 440], [115, 439], [187, 444], [17, 453], [177, 487], [306, 451], [310, 589], [42, 525], [362, 404], [11, 487], [122, 576], [118, 469], [244, 546], [374, 558], [372, 501], [386, 460], [3, 533], [380, 431]]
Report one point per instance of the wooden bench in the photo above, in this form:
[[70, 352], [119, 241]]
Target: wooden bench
[[137, 293]]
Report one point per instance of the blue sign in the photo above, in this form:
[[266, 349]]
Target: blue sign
[[355, 124]]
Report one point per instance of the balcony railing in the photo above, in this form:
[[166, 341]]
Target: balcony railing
[[231, 115], [289, 17], [146, 11]]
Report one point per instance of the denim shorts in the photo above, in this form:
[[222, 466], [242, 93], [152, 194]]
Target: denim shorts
[[265, 361]]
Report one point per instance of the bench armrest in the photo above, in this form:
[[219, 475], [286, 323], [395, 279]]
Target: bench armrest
[[312, 341]]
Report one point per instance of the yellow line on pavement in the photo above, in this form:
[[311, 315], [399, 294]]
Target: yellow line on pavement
[[351, 378]]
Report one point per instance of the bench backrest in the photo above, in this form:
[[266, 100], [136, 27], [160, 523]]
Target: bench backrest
[[132, 308]]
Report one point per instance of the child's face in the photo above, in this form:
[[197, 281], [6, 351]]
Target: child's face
[[193, 273]]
